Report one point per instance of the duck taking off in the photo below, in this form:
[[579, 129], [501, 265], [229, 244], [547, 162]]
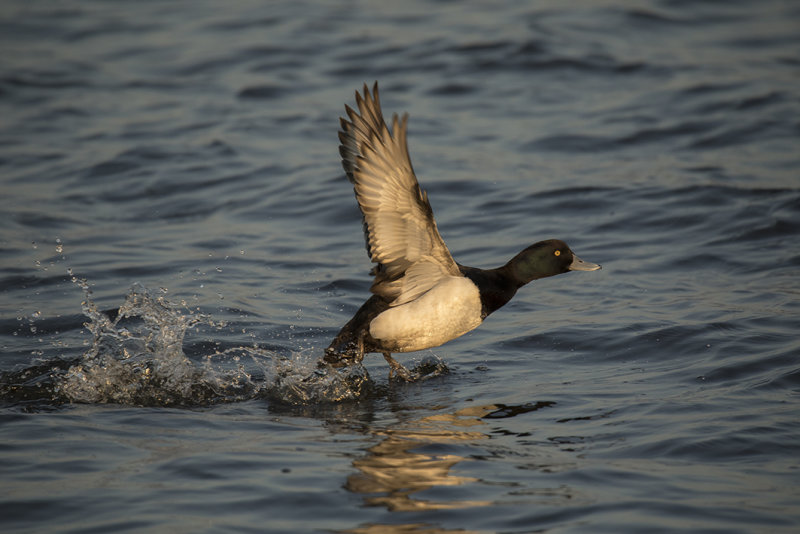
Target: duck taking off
[[421, 296]]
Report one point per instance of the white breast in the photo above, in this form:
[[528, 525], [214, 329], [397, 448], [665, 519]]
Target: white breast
[[448, 310]]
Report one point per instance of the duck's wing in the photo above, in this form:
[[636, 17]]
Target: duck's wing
[[399, 228]]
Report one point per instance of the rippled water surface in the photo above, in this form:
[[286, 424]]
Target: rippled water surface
[[178, 245]]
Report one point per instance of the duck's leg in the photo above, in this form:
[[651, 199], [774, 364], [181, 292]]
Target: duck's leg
[[360, 353], [395, 367]]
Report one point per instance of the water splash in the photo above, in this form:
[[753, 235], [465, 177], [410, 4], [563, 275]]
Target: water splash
[[136, 357]]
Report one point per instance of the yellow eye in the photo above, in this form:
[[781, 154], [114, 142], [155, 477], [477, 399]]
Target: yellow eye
[[557, 253]]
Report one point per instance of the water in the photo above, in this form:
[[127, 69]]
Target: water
[[179, 163]]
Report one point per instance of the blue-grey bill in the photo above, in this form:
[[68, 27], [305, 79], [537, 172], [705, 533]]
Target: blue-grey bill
[[580, 265]]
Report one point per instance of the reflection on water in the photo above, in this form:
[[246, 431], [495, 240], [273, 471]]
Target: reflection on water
[[395, 471], [409, 528]]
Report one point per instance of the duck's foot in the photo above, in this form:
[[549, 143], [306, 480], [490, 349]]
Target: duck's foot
[[396, 368]]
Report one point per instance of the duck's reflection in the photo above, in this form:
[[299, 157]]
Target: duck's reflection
[[394, 470], [409, 528]]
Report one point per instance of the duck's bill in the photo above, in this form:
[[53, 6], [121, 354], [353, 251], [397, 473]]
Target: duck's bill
[[580, 265]]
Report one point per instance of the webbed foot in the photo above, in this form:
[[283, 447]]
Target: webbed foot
[[396, 368]]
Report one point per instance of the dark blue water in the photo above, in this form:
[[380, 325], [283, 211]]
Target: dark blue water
[[179, 160]]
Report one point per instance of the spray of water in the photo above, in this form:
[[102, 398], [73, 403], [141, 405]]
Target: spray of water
[[136, 357]]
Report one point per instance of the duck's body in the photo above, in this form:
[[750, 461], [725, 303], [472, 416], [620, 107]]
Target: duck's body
[[422, 297], [450, 309]]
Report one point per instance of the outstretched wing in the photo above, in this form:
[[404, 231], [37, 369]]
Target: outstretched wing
[[401, 234]]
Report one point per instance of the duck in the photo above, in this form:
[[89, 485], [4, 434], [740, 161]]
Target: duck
[[421, 297]]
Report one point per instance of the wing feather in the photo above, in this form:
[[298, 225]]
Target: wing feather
[[399, 226]]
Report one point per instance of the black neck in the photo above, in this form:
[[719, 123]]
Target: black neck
[[495, 285]]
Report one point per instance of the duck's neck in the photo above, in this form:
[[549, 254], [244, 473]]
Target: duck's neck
[[496, 286]]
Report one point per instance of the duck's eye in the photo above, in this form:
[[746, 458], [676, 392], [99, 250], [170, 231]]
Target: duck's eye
[[557, 253]]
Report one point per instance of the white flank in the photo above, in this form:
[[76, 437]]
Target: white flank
[[450, 309]]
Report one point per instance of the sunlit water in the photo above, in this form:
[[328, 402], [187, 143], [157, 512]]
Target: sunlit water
[[179, 244]]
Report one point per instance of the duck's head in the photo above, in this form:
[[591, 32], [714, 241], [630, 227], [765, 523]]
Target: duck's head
[[546, 258]]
